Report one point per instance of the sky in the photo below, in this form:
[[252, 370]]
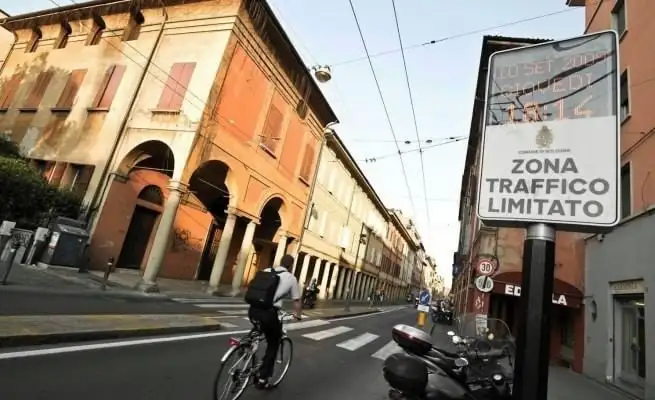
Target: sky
[[442, 78]]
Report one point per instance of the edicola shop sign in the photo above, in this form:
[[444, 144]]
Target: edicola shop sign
[[550, 146]]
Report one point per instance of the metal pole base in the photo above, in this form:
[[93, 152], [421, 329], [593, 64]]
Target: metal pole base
[[536, 302]]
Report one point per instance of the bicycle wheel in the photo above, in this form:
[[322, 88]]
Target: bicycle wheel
[[282, 361], [236, 366]]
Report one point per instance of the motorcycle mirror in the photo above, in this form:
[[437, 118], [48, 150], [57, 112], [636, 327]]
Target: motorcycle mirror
[[457, 339], [461, 362], [451, 333]]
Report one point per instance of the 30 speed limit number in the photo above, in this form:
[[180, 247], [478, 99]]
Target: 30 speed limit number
[[486, 266]]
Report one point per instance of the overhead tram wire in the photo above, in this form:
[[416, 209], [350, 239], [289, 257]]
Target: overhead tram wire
[[384, 104], [457, 36], [411, 102], [395, 154]]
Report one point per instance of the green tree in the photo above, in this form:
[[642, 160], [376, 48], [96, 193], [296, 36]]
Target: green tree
[[25, 197]]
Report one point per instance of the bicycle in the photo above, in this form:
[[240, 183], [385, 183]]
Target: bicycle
[[242, 371]]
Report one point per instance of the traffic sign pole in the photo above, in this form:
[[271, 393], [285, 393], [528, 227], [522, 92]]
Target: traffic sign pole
[[533, 342]]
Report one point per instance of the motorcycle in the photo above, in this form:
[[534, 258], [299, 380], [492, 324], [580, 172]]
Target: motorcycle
[[309, 298], [441, 315], [480, 367]]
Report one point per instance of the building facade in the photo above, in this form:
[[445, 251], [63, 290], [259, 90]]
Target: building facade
[[341, 247], [619, 269], [6, 40], [191, 130], [504, 247]]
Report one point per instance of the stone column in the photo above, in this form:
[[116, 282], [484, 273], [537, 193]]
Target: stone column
[[317, 268], [367, 287], [303, 271], [358, 284], [340, 279], [160, 243], [343, 283], [333, 280], [325, 285], [221, 253], [281, 248], [246, 244]]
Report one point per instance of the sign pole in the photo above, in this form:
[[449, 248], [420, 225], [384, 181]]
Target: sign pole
[[536, 302]]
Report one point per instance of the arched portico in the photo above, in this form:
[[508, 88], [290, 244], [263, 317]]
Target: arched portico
[[134, 206]]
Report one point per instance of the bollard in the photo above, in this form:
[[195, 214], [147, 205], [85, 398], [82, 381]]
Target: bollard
[[108, 269], [421, 319], [15, 245]]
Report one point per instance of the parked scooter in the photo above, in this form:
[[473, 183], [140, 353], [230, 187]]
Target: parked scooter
[[478, 370]]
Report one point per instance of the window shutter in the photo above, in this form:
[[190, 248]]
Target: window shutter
[[73, 84], [176, 86], [38, 90], [272, 128], [109, 86]]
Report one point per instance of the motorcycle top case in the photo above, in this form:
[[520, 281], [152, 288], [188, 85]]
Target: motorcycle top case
[[406, 374], [412, 339]]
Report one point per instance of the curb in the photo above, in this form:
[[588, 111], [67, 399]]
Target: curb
[[136, 297], [74, 337], [355, 314]]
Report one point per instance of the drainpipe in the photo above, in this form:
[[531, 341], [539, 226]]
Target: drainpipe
[[327, 131], [104, 180]]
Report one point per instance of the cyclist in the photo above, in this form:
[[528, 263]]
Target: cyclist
[[264, 295]]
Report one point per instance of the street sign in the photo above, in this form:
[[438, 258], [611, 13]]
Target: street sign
[[486, 267], [550, 143], [484, 284], [424, 298]]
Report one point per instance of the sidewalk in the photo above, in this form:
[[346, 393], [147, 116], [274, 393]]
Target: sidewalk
[[564, 384], [121, 284], [31, 330], [39, 330]]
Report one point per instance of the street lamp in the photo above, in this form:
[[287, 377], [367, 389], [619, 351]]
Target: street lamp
[[322, 73], [362, 240]]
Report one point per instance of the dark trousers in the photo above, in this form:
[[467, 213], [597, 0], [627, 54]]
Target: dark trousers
[[271, 326]]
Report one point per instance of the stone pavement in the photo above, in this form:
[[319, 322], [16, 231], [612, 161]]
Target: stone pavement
[[564, 384], [36, 330]]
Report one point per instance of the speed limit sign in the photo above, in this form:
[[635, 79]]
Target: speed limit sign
[[486, 267]]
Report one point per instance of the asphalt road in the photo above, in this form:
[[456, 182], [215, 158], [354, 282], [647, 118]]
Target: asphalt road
[[328, 364], [185, 369]]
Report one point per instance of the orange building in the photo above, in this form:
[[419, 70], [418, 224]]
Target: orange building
[[619, 325], [504, 247], [192, 130]]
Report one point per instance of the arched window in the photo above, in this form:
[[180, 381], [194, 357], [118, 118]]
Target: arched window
[[152, 194]]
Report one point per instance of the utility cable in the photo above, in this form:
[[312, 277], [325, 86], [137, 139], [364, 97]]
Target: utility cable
[[389, 155], [456, 36], [384, 104], [411, 103]]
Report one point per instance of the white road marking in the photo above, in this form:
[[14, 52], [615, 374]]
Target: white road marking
[[355, 343], [112, 345], [218, 305], [306, 324], [156, 340], [328, 333], [388, 349], [190, 300], [228, 325], [234, 312], [373, 314]]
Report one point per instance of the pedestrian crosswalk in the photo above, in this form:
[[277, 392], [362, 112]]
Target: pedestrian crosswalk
[[345, 338], [327, 332]]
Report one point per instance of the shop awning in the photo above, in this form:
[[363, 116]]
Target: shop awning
[[564, 294]]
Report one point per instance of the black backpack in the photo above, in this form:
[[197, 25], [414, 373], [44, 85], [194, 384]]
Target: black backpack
[[261, 291]]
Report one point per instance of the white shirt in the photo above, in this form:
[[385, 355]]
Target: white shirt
[[288, 286]]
